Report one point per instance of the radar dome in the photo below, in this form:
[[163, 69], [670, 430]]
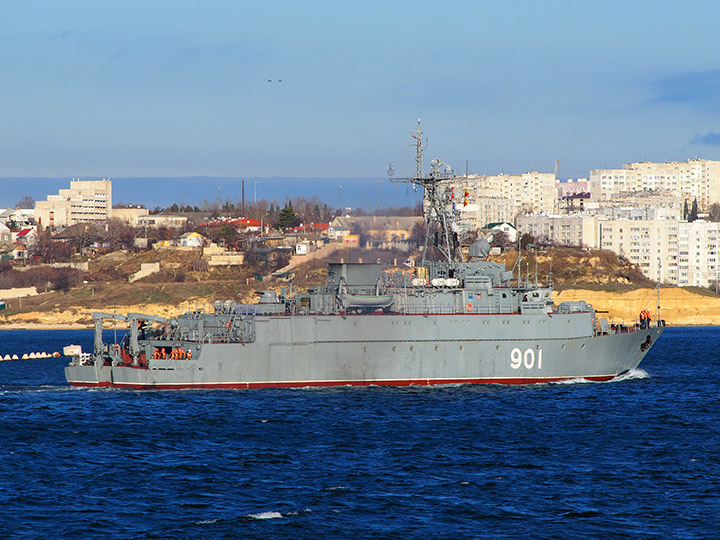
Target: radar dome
[[481, 249]]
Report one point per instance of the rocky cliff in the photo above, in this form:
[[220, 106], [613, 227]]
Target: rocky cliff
[[678, 307]]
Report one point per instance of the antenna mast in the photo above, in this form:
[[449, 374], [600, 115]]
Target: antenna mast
[[439, 207]]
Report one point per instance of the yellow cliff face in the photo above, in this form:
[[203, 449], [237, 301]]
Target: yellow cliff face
[[678, 307], [82, 317]]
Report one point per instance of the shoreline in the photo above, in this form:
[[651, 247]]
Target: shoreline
[[44, 327]]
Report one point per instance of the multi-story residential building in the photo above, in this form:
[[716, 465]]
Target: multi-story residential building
[[666, 249], [484, 210], [570, 187], [86, 201], [695, 179], [698, 253], [637, 212], [564, 230], [650, 244], [483, 199]]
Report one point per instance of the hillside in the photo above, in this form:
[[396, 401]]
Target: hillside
[[608, 282]]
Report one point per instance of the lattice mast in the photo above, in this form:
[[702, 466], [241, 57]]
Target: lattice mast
[[438, 204]]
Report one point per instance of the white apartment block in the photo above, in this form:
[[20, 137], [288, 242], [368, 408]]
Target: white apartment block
[[501, 197], [570, 187], [85, 201], [666, 250], [637, 212], [695, 179], [578, 230], [698, 253], [670, 251], [650, 244], [484, 210]]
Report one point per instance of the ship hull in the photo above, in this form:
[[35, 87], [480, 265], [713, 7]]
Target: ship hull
[[398, 350]]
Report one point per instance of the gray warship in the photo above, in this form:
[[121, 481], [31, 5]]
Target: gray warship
[[454, 320]]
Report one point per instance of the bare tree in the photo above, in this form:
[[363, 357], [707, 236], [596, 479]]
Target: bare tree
[[25, 202], [119, 234]]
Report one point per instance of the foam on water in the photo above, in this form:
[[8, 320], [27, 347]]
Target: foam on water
[[636, 373], [265, 515], [577, 380]]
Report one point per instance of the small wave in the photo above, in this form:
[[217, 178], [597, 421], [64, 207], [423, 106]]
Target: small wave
[[627, 376], [266, 515], [631, 375], [577, 380], [206, 522]]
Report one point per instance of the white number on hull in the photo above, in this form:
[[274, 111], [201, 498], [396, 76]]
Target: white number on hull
[[517, 358]]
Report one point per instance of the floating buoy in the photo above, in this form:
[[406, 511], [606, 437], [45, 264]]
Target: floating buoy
[[56, 354], [7, 357], [15, 357], [32, 355], [25, 356]]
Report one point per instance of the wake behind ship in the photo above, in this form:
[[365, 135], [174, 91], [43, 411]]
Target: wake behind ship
[[451, 321]]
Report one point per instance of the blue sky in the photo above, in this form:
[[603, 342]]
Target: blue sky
[[177, 88]]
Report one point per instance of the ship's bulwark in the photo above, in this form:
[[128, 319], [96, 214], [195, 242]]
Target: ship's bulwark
[[390, 349]]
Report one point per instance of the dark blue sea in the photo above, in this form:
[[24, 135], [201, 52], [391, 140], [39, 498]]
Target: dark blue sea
[[634, 458]]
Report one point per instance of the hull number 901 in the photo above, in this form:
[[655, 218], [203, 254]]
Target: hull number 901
[[526, 359]]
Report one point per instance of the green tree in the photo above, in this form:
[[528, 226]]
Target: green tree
[[693, 211], [287, 217]]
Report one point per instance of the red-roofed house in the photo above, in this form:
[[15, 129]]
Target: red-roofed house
[[26, 237], [311, 227], [245, 223]]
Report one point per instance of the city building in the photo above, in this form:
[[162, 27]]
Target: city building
[[696, 179], [162, 220], [483, 199], [579, 230], [86, 201], [570, 187], [698, 253], [18, 217], [130, 214], [650, 244]]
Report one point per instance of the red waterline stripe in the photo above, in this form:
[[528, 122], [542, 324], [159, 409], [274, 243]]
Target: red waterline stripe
[[304, 384]]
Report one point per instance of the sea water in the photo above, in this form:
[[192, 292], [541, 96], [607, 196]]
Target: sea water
[[631, 458]]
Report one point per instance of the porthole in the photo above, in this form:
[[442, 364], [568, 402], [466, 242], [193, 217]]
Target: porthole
[[497, 347], [461, 347], [563, 345], [364, 349], [583, 346], [394, 348], [437, 348], [412, 348]]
